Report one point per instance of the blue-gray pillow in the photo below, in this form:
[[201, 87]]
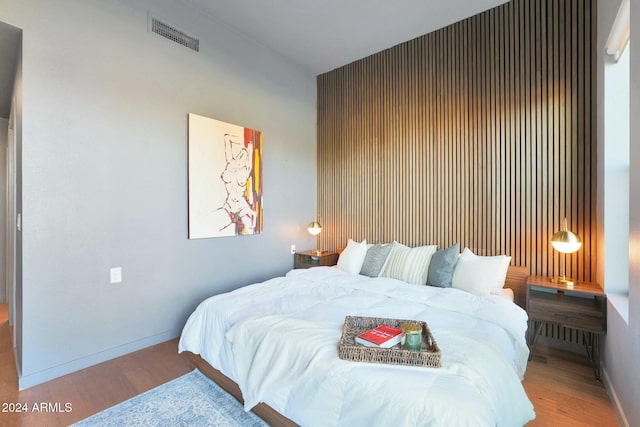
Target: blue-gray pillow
[[442, 265], [375, 259]]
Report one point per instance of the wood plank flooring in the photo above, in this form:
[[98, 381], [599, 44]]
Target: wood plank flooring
[[89, 390], [564, 392], [559, 384]]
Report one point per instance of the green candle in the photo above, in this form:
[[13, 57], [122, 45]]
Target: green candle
[[412, 335]]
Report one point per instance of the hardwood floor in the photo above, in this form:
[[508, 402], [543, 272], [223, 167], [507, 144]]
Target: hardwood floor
[[89, 390], [564, 392], [560, 385]]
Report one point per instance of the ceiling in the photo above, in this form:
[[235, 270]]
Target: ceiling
[[318, 35], [321, 35]]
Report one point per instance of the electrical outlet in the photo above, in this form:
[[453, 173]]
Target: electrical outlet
[[293, 249], [116, 274]]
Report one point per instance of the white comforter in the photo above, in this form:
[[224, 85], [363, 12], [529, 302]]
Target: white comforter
[[278, 341]]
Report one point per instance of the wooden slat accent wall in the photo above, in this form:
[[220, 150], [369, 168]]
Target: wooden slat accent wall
[[481, 133]]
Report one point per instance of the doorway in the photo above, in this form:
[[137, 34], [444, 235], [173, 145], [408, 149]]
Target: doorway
[[10, 111], [10, 218]]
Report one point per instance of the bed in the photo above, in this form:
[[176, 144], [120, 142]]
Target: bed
[[273, 345]]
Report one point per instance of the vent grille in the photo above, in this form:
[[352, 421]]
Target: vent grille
[[175, 35]]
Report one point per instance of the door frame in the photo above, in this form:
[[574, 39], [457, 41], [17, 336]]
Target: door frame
[[10, 245]]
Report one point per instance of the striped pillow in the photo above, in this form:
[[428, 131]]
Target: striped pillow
[[410, 265]]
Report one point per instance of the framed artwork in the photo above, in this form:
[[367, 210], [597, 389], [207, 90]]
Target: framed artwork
[[225, 179]]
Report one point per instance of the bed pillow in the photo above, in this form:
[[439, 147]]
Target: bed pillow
[[352, 257], [480, 274], [375, 259], [410, 265], [442, 265]]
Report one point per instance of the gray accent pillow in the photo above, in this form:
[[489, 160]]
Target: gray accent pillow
[[442, 265], [375, 259]]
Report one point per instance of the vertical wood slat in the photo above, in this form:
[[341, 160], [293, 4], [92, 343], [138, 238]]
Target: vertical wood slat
[[479, 133]]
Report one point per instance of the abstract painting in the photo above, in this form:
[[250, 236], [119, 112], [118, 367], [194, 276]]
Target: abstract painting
[[225, 179]]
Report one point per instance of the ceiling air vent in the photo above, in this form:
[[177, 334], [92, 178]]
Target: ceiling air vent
[[172, 33]]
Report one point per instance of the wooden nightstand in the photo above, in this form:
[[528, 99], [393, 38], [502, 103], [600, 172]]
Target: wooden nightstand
[[307, 259], [578, 305]]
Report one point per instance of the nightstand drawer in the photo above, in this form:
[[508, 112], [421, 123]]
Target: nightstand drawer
[[308, 259], [587, 314]]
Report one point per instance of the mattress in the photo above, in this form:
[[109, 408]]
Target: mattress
[[278, 341]]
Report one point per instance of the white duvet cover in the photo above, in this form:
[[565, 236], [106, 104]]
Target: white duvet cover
[[278, 341]]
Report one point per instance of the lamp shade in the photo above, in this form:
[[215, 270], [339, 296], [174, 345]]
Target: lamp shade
[[565, 241], [314, 228]]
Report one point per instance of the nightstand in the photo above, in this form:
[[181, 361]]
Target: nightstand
[[307, 259], [578, 305]]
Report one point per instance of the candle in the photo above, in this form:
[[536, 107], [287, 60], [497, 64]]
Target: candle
[[412, 335]]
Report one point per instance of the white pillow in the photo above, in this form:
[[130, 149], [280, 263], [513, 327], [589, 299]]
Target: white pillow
[[352, 258], [410, 265], [480, 274]]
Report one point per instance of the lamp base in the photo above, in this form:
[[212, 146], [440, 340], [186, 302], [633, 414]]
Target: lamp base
[[562, 280]]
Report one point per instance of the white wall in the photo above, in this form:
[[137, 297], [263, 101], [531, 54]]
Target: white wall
[[628, 361], [622, 349], [104, 173]]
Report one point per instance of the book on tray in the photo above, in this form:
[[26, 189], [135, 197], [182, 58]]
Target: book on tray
[[384, 336]]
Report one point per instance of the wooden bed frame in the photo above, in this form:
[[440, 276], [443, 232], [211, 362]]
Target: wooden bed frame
[[516, 280]]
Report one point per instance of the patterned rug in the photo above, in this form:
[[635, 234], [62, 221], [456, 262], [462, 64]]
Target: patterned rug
[[191, 400]]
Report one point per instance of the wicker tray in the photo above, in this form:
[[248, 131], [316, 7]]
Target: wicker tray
[[428, 355]]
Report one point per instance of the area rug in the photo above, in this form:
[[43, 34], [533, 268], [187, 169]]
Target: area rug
[[191, 400]]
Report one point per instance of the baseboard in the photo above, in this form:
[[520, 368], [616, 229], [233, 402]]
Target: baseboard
[[614, 398], [45, 375]]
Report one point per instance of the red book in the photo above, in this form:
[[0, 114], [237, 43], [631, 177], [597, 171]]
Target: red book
[[384, 336]]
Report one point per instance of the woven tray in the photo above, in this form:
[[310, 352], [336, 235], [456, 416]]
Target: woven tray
[[428, 355]]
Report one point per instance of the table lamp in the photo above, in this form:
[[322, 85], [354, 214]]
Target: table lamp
[[314, 228], [566, 242]]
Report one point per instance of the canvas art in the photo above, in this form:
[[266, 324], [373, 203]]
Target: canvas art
[[225, 179]]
